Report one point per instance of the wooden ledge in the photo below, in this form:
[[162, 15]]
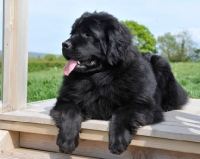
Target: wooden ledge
[[181, 127], [20, 153], [179, 124]]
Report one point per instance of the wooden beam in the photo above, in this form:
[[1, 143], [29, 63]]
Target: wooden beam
[[15, 54], [8, 140], [178, 125], [102, 136], [99, 149], [20, 153]]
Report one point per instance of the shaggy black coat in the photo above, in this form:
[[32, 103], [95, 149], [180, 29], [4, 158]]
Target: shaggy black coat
[[113, 81]]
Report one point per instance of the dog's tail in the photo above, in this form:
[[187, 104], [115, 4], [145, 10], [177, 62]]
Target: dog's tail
[[173, 96]]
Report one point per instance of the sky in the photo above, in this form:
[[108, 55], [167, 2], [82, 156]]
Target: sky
[[50, 21]]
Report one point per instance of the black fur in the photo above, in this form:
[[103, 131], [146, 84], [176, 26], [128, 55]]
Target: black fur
[[124, 86]]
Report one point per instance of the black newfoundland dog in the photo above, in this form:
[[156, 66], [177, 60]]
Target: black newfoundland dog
[[106, 78]]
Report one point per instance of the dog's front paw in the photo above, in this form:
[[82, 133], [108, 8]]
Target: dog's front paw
[[118, 142], [67, 143]]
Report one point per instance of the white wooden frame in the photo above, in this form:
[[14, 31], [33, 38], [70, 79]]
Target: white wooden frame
[[15, 55]]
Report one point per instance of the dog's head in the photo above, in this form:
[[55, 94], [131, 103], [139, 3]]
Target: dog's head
[[97, 40]]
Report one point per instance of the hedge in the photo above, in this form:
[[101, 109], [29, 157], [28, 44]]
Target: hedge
[[36, 65]]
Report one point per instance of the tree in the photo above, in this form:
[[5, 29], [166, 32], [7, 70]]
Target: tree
[[186, 45], [176, 48], [196, 55], [50, 57], [167, 46], [143, 39]]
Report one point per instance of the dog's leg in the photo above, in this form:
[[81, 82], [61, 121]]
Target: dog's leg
[[124, 123], [68, 119]]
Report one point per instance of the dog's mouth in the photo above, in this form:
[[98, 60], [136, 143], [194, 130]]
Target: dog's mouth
[[73, 64], [84, 64]]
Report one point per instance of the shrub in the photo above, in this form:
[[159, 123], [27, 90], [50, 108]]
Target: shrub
[[50, 57], [34, 65]]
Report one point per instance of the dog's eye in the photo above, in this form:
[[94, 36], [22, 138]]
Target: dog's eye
[[87, 34]]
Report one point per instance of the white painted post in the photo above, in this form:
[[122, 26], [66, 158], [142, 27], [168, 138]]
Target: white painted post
[[15, 55]]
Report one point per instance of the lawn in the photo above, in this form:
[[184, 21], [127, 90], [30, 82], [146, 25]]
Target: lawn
[[45, 84], [188, 75]]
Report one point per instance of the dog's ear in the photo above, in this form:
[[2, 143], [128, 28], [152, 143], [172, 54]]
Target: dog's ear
[[119, 40]]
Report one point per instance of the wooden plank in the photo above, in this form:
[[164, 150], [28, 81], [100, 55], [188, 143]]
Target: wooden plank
[[28, 116], [28, 127], [86, 134], [160, 130], [100, 149], [85, 148], [178, 125], [15, 54], [146, 141], [38, 112], [193, 102], [42, 103], [41, 115], [8, 140], [20, 153]]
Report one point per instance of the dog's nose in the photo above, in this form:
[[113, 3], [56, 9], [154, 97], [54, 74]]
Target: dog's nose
[[66, 45]]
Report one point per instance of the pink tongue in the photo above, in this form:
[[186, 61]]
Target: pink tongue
[[69, 67]]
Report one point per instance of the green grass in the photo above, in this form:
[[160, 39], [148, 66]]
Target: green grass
[[44, 84], [188, 75]]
